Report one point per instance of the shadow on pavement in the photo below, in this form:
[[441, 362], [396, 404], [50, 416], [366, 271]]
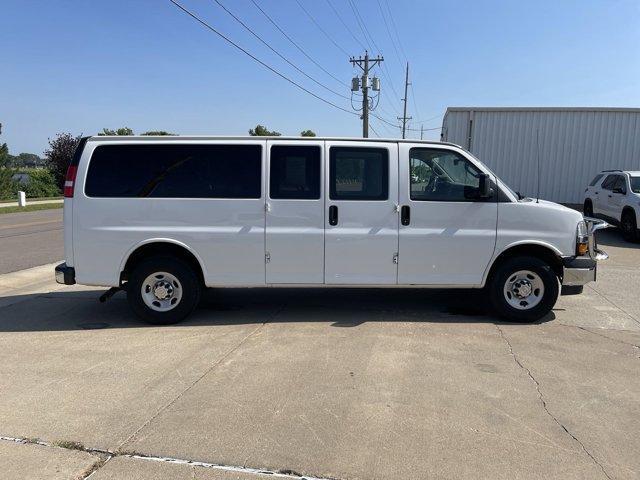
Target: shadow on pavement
[[341, 308], [612, 237]]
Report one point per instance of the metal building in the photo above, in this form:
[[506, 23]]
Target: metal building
[[571, 145]]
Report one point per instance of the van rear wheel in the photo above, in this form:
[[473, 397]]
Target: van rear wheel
[[163, 290], [524, 289]]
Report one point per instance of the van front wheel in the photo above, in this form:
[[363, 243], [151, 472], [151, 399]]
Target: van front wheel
[[524, 289], [163, 290]]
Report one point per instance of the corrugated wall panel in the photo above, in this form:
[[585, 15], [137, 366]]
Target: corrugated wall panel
[[572, 145]]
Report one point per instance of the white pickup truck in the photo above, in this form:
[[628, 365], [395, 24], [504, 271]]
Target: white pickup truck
[[165, 217]]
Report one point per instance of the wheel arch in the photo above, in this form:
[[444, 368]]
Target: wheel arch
[[547, 253], [628, 209], [161, 246]]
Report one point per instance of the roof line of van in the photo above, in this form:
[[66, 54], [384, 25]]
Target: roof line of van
[[109, 138]]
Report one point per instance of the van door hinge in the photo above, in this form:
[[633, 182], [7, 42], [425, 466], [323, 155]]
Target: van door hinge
[[267, 257], [395, 258]]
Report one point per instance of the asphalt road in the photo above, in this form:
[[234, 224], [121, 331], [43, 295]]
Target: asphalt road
[[30, 239]]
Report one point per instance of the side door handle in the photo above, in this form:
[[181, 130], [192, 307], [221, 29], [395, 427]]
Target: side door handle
[[405, 215], [333, 215]]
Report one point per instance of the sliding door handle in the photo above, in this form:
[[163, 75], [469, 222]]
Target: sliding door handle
[[405, 215], [333, 215]]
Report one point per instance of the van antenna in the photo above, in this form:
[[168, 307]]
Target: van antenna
[[538, 163]]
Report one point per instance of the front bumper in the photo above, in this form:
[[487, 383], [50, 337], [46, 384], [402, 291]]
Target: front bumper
[[578, 271], [65, 275]]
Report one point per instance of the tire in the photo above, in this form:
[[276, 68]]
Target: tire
[[163, 290], [587, 209], [517, 277], [628, 226]]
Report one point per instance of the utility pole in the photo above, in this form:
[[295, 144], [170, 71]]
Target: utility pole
[[421, 130], [404, 117], [362, 83]]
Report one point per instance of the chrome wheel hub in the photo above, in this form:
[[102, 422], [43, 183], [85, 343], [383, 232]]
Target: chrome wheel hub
[[161, 291], [524, 290]]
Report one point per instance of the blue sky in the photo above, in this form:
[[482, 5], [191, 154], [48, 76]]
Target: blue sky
[[81, 65]]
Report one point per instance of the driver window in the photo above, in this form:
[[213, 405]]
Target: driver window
[[441, 176]]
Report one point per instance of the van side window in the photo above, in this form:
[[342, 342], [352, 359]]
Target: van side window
[[295, 172], [441, 176], [358, 173], [175, 171]]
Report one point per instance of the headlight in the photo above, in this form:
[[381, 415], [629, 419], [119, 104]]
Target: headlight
[[582, 238]]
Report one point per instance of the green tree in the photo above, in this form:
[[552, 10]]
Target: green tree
[[120, 131], [58, 155], [262, 131], [307, 133], [6, 173], [158, 133], [29, 160]]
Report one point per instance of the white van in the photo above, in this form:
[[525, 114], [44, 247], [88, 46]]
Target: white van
[[164, 217]]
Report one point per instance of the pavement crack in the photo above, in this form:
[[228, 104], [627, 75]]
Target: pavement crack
[[209, 370], [608, 300], [105, 456], [608, 338], [543, 402]]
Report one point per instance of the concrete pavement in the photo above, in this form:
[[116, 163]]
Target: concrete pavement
[[343, 384], [30, 239]]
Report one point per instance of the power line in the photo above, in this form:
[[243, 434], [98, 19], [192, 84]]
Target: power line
[[395, 28], [295, 44], [321, 29], [386, 25], [256, 59], [372, 45], [344, 24], [246, 27]]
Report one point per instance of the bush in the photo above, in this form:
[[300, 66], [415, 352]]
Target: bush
[[41, 183]]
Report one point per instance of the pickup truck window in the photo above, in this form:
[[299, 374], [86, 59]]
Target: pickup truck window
[[635, 184], [175, 171], [295, 172], [441, 175], [357, 173]]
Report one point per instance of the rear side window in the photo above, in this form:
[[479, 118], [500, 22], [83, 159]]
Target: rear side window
[[175, 171], [595, 179], [295, 172], [359, 173]]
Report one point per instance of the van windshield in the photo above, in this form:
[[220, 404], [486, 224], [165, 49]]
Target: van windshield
[[635, 184]]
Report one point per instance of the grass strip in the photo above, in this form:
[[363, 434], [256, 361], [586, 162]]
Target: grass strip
[[30, 208]]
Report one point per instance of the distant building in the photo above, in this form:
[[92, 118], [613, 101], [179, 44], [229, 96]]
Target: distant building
[[572, 145]]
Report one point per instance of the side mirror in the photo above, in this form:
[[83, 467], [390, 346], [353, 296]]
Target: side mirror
[[484, 186], [483, 190]]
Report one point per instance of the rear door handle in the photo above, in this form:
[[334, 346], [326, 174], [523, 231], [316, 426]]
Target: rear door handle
[[405, 215], [333, 215]]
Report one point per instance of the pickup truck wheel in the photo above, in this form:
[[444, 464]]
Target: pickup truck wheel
[[163, 290], [523, 289], [588, 208], [629, 227]]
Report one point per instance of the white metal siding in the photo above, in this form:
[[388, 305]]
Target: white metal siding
[[572, 144]]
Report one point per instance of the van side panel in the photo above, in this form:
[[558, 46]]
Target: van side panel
[[227, 234]]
